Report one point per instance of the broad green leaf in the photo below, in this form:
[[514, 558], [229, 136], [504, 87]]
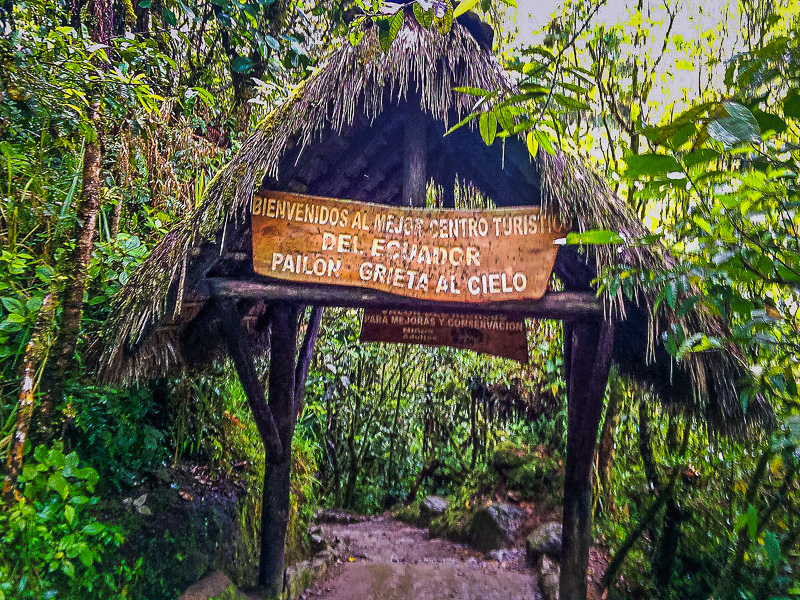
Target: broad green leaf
[[641, 165], [59, 484], [242, 64], [533, 144], [93, 528], [385, 39], [672, 295], [396, 23], [463, 7], [505, 118], [69, 513], [40, 454], [595, 236], [13, 305], [791, 105], [68, 568], [424, 17], [570, 103], [144, 3], [701, 156], [169, 18], [473, 91], [34, 303], [769, 122], [773, 548], [86, 556], [545, 143], [444, 23], [488, 127], [739, 126], [682, 136]]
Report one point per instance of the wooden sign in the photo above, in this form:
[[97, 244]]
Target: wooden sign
[[441, 255], [496, 335]]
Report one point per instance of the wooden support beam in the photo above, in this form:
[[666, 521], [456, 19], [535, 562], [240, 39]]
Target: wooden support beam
[[242, 356], [415, 178], [554, 305], [275, 499], [305, 356], [588, 345]]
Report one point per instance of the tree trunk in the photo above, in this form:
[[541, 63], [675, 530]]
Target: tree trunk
[[605, 449], [646, 447], [34, 353], [72, 306], [72, 299], [668, 546]]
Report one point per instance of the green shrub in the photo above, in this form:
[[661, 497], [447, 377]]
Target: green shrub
[[409, 514], [52, 544], [525, 471]]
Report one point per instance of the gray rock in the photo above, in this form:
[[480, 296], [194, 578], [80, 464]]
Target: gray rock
[[545, 540], [549, 576], [496, 526], [431, 507], [318, 541], [500, 555]]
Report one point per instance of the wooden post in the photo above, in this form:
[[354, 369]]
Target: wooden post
[[588, 346], [275, 420], [415, 177], [305, 356], [275, 499]]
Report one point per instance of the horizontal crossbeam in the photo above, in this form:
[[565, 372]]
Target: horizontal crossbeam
[[554, 305]]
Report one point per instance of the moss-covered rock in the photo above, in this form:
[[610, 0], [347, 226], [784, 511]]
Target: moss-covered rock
[[509, 456], [432, 507], [454, 523], [496, 526], [182, 531], [214, 586]]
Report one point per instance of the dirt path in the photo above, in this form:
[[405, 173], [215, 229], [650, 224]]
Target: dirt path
[[388, 560]]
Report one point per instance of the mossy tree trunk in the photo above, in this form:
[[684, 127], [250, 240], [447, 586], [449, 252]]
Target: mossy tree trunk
[[75, 287], [34, 354]]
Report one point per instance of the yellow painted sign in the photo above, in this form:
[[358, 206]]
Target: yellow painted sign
[[442, 255]]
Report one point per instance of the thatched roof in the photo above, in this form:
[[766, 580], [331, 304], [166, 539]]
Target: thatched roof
[[336, 136]]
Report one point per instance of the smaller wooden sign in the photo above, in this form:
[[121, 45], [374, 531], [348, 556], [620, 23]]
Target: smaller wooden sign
[[490, 334]]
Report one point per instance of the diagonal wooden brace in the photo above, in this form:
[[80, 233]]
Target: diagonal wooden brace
[[240, 353]]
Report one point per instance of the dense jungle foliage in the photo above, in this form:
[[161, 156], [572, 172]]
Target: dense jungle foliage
[[114, 115]]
